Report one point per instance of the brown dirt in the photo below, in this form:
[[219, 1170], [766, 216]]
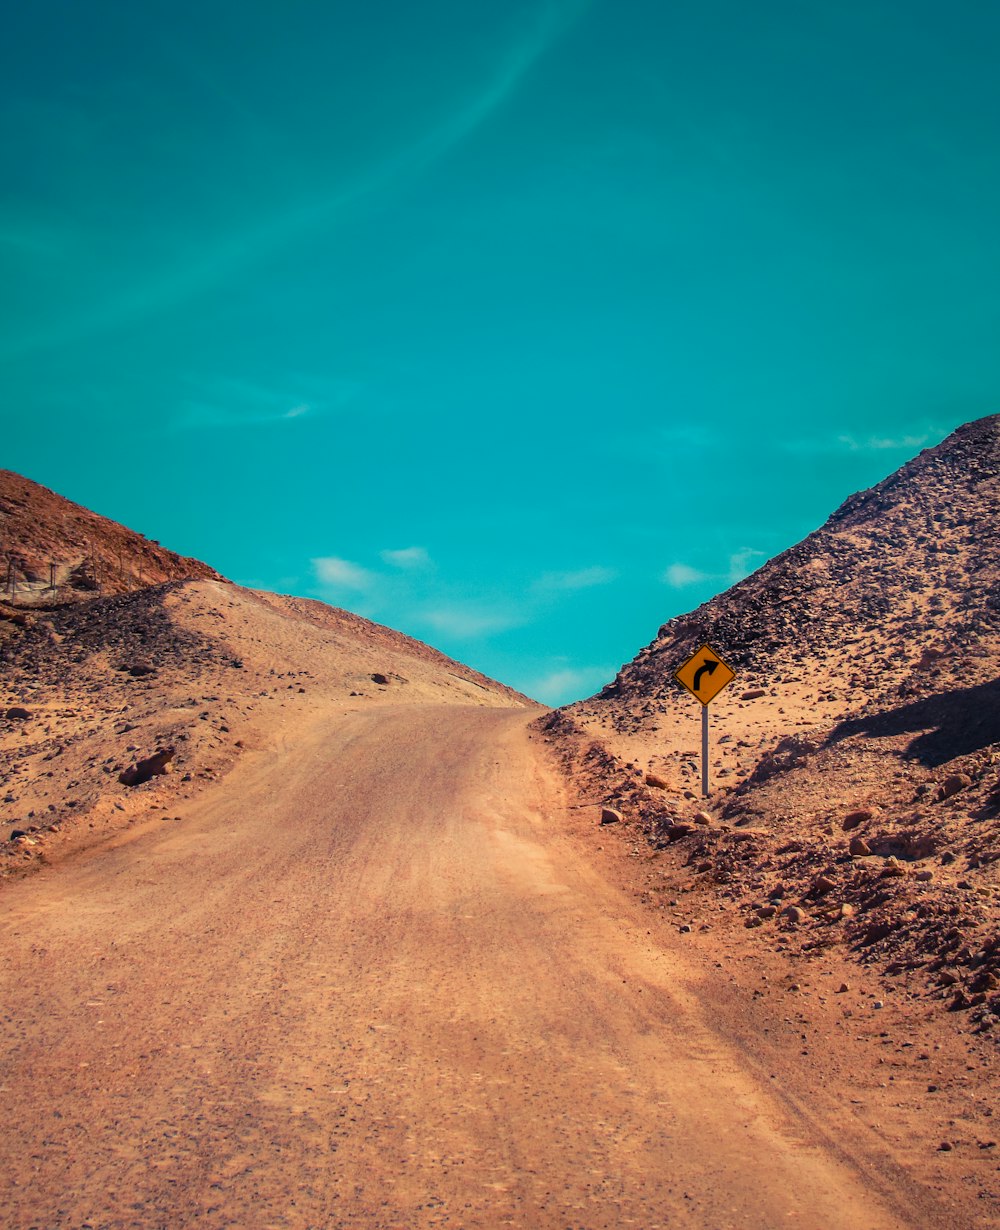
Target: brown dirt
[[388, 980]]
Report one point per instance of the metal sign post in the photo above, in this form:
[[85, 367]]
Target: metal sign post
[[704, 675]]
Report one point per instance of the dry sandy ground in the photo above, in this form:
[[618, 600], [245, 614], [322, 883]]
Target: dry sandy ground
[[390, 976]]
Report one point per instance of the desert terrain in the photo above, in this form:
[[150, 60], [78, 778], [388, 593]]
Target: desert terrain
[[306, 925]]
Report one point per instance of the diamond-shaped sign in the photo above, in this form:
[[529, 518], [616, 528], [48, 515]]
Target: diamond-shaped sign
[[704, 674]]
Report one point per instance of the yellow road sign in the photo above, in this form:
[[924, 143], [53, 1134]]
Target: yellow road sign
[[704, 674]]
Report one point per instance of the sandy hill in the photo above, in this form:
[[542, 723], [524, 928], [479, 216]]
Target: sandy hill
[[55, 551], [92, 686], [854, 760]]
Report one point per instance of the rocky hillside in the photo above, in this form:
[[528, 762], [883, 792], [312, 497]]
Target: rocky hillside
[[119, 696], [901, 586], [53, 551], [855, 760]]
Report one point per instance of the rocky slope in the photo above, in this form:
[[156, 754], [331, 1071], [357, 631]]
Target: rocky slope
[[186, 676], [54, 551], [855, 759]]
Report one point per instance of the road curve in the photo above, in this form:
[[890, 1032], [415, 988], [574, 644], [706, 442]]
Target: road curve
[[370, 983]]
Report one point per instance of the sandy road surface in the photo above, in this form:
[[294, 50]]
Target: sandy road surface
[[369, 983]]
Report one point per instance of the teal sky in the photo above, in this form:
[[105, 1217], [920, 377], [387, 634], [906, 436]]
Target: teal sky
[[520, 326]]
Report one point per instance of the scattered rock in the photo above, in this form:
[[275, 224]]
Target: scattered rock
[[610, 815], [655, 780], [823, 884], [754, 694], [892, 868], [676, 831], [144, 770], [843, 988], [911, 845], [855, 818], [138, 669], [953, 784], [767, 911], [17, 714], [794, 914], [859, 847], [379, 678], [702, 818]]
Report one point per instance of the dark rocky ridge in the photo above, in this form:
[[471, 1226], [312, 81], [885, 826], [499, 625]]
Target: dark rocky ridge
[[912, 563], [90, 554]]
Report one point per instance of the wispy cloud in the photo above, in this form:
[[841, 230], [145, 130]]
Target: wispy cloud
[[407, 558], [343, 574], [409, 594], [848, 443], [228, 254], [582, 578], [741, 563], [880, 444], [468, 622], [679, 575], [230, 403], [568, 683]]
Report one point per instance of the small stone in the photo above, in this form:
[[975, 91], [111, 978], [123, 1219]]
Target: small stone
[[844, 987], [379, 678], [767, 911], [795, 914], [892, 868], [17, 714], [754, 694], [878, 1004], [859, 847], [684, 928], [953, 784], [847, 910], [945, 1146], [610, 815], [702, 817], [676, 831], [856, 817], [925, 876], [658, 782], [823, 884]]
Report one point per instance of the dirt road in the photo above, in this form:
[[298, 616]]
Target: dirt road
[[371, 982]]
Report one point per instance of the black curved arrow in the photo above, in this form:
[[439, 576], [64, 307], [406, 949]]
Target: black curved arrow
[[707, 668]]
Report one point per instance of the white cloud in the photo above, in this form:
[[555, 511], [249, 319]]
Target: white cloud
[[878, 444], [407, 557], [569, 683], [471, 621], [343, 574], [679, 575], [583, 578], [824, 445], [742, 563], [222, 402]]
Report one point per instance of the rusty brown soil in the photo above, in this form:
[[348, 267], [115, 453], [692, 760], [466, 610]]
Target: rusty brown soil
[[382, 980]]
